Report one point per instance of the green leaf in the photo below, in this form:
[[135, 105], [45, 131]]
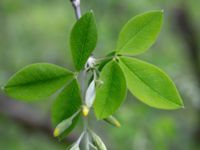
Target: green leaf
[[112, 92], [150, 84], [67, 103], [37, 81], [83, 39], [140, 33]]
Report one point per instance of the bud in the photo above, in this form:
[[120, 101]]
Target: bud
[[61, 127], [56, 132], [113, 121], [64, 125], [98, 142], [90, 94], [85, 110]]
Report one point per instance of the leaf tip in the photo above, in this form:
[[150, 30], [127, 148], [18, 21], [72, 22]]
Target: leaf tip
[[182, 106], [91, 11]]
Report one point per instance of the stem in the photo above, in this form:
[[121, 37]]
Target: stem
[[87, 141], [99, 60], [83, 86], [77, 9]]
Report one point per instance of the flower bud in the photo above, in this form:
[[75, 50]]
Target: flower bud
[[113, 121], [61, 127], [85, 110], [98, 142]]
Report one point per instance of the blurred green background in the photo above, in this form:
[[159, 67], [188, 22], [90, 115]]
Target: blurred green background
[[38, 31]]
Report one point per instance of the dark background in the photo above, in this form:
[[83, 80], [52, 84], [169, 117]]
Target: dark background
[[38, 31]]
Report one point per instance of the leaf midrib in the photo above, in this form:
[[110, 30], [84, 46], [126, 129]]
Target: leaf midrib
[[85, 41], [155, 91], [37, 82], [109, 90]]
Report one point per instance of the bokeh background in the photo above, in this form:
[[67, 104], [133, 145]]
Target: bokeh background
[[38, 31]]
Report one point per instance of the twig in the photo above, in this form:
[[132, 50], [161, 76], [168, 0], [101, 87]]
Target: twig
[[77, 8]]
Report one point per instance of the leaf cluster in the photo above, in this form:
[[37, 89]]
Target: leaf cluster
[[111, 77]]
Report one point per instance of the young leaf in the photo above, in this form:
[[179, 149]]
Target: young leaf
[[67, 103], [83, 39], [150, 84], [112, 92], [37, 81], [140, 33]]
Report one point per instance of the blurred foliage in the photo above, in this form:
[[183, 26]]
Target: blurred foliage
[[38, 31], [15, 137]]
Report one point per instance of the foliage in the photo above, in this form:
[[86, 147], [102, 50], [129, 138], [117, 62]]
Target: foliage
[[148, 83], [37, 81], [112, 92], [140, 33], [83, 39]]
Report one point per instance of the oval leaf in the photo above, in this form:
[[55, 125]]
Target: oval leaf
[[37, 81], [140, 33], [67, 103], [112, 92], [83, 39], [150, 84]]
